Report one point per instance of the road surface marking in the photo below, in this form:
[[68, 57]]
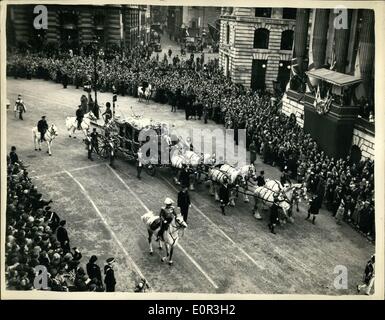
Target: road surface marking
[[219, 229], [178, 245], [64, 171], [139, 272]]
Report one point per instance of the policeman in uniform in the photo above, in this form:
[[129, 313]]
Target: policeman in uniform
[[42, 127], [109, 275], [79, 116], [274, 214], [166, 215], [19, 107]]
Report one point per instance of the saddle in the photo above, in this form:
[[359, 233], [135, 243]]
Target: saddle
[[155, 224]]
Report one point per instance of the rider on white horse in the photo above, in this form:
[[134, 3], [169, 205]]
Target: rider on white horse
[[166, 215]]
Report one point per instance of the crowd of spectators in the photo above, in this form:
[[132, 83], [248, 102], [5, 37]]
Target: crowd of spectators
[[203, 91], [37, 242]]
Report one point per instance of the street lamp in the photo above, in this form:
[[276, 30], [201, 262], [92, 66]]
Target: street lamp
[[95, 49]]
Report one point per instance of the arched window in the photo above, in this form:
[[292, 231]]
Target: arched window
[[263, 12], [227, 34], [287, 40], [261, 38], [289, 13]]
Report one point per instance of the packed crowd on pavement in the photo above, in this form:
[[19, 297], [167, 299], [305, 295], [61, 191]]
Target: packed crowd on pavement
[[344, 187], [38, 254]]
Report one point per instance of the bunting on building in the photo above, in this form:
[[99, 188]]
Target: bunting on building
[[322, 106]]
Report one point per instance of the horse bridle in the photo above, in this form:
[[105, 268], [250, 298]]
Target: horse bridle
[[52, 131], [177, 226]]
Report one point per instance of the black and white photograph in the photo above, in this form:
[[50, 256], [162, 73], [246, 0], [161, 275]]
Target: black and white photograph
[[192, 148]]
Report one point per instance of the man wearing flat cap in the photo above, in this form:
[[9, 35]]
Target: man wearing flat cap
[[109, 275]]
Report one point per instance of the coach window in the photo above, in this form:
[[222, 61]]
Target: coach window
[[261, 38], [263, 12], [287, 40], [289, 13]]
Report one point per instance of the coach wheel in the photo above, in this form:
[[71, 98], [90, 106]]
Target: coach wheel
[[102, 148], [103, 152], [150, 170]]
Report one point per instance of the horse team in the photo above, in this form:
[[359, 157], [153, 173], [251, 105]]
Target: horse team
[[240, 179]]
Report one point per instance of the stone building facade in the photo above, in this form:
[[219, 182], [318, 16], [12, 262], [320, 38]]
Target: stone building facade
[[256, 46], [349, 53], [76, 26]]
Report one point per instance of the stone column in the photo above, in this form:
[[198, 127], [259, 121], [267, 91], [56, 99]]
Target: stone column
[[86, 26], [113, 25], [300, 37], [341, 45], [320, 31], [366, 49]]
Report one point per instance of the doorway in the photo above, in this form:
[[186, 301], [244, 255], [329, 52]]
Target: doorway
[[258, 74]]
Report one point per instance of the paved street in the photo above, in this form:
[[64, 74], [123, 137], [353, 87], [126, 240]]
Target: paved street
[[217, 254]]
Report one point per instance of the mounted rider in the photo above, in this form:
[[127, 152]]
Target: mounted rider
[[166, 216], [79, 116]]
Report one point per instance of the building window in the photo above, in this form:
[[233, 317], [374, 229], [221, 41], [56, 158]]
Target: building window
[[261, 38], [287, 40], [263, 12], [227, 34], [289, 13]]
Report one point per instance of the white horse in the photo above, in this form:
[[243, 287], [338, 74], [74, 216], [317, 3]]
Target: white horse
[[72, 123], [50, 134], [194, 162], [146, 94], [236, 177], [288, 195], [170, 235]]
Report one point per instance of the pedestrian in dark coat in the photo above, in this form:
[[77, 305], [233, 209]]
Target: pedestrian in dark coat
[[184, 202], [42, 127], [93, 270], [274, 214], [109, 275], [253, 152], [184, 177], [62, 237], [261, 179], [13, 155], [224, 195], [315, 205]]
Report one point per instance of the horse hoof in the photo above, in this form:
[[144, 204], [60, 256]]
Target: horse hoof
[[50, 154], [35, 149], [151, 253], [170, 263], [39, 149], [162, 259], [47, 151], [74, 137], [160, 248]]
